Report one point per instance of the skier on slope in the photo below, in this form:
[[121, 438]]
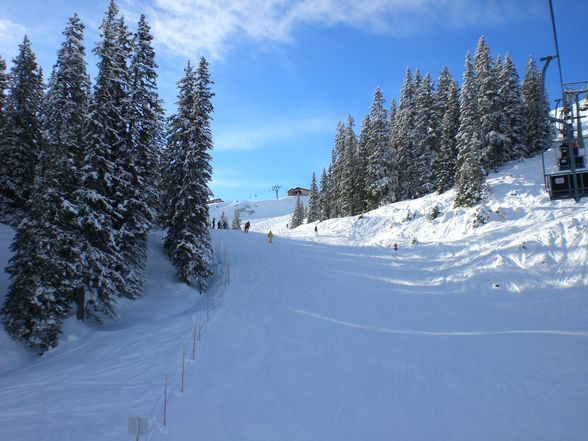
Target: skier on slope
[[247, 225], [270, 236]]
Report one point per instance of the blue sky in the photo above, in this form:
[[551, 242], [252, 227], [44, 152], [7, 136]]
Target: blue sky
[[286, 72]]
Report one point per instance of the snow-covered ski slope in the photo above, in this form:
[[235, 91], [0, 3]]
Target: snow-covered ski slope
[[467, 334]]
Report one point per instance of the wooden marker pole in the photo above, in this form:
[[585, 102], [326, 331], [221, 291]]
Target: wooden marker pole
[[194, 343], [183, 363], [165, 403]]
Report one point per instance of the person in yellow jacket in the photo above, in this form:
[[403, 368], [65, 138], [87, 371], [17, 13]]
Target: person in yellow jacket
[[270, 236]]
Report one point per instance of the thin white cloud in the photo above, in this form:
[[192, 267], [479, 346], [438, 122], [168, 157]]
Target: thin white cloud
[[239, 183], [213, 27], [11, 35], [269, 132], [226, 172]]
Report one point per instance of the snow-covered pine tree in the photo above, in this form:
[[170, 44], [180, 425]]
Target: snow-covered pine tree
[[362, 165], [22, 137], [348, 185], [337, 172], [204, 109], [511, 103], [447, 156], [65, 113], [395, 175], [223, 219], [445, 83], [105, 180], [392, 118], [325, 196], [34, 309], [313, 214], [236, 223], [426, 137], [403, 138], [141, 158], [536, 111], [381, 172], [3, 88], [46, 266], [470, 176], [297, 218], [188, 242], [59, 171], [492, 124]]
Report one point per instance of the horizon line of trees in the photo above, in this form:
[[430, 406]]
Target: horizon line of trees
[[86, 171], [436, 138]]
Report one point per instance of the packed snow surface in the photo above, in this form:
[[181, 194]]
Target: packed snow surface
[[467, 333]]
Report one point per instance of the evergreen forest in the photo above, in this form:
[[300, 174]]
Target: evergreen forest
[[88, 169], [437, 137]]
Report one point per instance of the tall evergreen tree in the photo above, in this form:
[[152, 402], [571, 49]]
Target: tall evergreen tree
[[492, 124], [141, 159], [470, 177], [392, 116], [3, 88], [447, 154], [426, 137], [403, 138], [348, 186], [445, 84], [381, 179], [297, 218], [337, 172], [236, 223], [313, 201], [325, 195], [536, 111], [105, 180], [224, 221], [188, 242], [46, 266], [22, 137], [362, 165], [511, 103]]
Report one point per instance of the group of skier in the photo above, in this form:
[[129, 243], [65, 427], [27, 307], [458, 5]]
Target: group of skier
[[221, 224], [224, 225]]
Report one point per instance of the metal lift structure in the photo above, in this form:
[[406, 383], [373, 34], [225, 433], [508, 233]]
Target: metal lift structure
[[568, 177]]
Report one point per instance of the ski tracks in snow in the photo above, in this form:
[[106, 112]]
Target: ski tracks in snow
[[440, 333]]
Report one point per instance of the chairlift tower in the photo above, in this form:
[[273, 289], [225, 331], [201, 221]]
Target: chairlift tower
[[568, 178]]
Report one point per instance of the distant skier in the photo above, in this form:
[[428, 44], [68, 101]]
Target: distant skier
[[395, 246], [270, 236], [247, 225], [218, 225], [213, 222], [316, 230]]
